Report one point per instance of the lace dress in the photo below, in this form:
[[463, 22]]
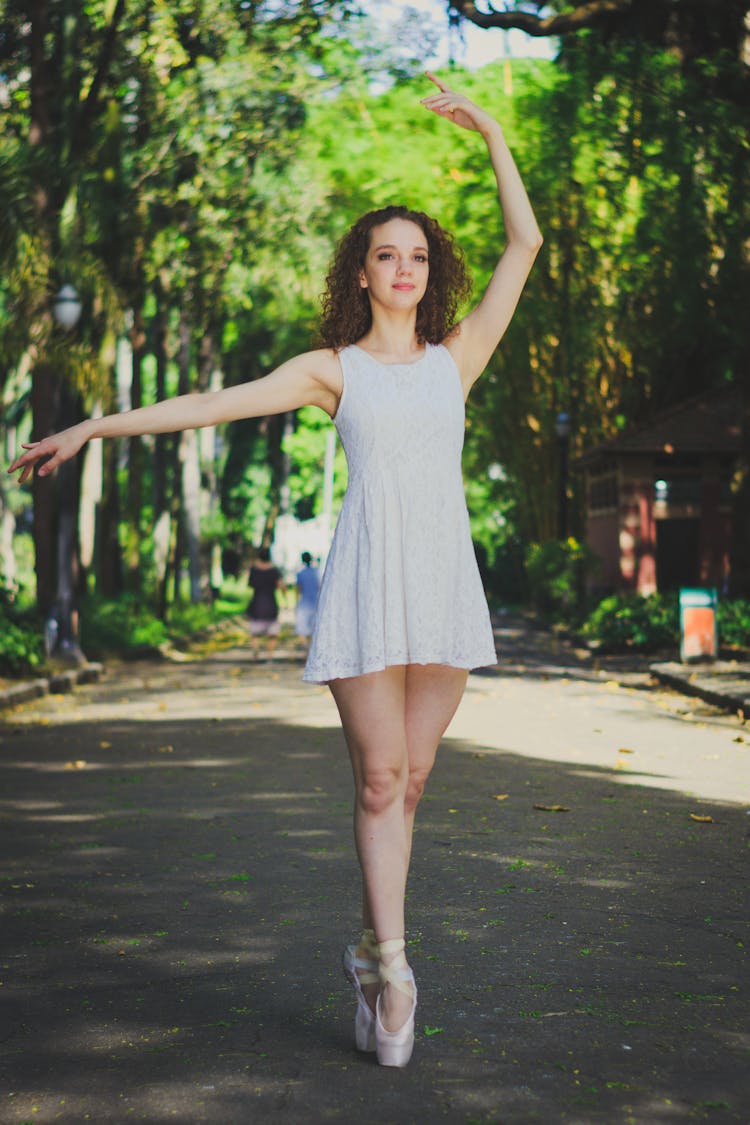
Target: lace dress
[[401, 585]]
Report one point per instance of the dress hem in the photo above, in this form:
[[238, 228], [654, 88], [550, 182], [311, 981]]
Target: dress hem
[[380, 666]]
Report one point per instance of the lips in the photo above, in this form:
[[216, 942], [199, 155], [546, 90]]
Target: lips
[[404, 285]]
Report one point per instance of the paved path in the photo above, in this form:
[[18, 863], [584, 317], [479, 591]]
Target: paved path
[[177, 881]]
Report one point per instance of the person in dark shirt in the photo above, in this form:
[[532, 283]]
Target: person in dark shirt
[[263, 610]]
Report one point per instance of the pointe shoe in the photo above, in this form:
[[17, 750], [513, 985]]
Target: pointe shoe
[[359, 971], [394, 1048]]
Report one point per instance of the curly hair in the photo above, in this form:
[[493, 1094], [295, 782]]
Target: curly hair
[[346, 315]]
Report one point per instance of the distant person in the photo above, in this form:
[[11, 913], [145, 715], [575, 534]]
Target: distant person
[[401, 615], [308, 584], [263, 610]]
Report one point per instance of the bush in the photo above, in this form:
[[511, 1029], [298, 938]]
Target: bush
[[557, 572], [630, 622], [21, 640], [127, 628], [734, 622], [21, 647], [123, 626]]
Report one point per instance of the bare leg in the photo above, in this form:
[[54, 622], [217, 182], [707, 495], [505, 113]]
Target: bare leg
[[433, 693], [393, 722], [372, 710]]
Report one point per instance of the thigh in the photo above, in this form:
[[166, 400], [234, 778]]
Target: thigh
[[433, 693], [372, 714]]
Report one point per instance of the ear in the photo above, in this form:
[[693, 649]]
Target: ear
[[362, 280]]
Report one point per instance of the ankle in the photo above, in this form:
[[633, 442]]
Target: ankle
[[390, 950]]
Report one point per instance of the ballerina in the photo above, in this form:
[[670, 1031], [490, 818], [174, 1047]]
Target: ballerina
[[402, 616]]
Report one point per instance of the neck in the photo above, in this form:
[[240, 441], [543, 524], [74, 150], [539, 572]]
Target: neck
[[395, 337]]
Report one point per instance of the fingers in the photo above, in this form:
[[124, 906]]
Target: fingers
[[441, 103], [438, 81], [30, 459]]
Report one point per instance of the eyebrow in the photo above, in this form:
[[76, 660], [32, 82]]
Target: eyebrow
[[392, 246]]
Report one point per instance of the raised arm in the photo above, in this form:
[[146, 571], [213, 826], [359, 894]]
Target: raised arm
[[311, 379], [483, 328]]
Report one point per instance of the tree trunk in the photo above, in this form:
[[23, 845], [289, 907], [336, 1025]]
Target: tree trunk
[[7, 528], [135, 454], [163, 444], [44, 395], [66, 610], [191, 508], [109, 578]]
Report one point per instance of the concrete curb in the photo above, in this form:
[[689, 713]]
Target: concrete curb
[[724, 684], [57, 683]]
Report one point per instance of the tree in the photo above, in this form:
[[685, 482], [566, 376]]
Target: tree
[[710, 45], [139, 125], [691, 27]]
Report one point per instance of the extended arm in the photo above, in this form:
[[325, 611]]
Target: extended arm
[[311, 379], [483, 328]]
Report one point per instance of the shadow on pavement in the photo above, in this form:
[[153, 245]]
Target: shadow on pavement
[[175, 896]]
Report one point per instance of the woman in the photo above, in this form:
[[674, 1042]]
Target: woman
[[401, 614], [263, 611]]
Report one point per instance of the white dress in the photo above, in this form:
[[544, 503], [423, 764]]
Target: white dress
[[401, 585]]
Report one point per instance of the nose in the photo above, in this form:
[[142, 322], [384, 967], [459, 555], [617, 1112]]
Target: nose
[[404, 265]]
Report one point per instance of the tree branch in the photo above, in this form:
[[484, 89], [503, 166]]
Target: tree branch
[[586, 14], [89, 107]]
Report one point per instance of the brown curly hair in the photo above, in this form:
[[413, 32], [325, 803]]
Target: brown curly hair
[[346, 315]]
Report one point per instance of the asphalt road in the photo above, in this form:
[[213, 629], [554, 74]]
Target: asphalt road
[[177, 880]]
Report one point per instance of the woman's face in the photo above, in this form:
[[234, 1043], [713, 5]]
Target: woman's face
[[396, 268]]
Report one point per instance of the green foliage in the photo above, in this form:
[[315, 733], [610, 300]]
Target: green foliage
[[306, 448], [556, 572], [124, 626], [630, 622], [226, 155], [21, 643], [127, 628], [733, 619]]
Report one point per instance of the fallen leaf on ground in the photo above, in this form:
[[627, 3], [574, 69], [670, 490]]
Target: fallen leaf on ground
[[552, 808], [79, 764], [500, 796], [104, 745], [622, 750], [701, 819]]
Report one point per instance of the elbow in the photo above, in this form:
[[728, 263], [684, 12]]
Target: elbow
[[528, 242], [535, 242]]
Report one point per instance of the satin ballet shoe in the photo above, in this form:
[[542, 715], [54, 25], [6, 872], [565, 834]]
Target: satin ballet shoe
[[394, 1048], [359, 971]]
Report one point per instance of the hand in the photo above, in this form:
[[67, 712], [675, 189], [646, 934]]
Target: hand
[[51, 451], [457, 108]]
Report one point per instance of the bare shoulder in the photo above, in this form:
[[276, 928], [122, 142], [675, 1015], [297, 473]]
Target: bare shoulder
[[320, 371], [325, 364]]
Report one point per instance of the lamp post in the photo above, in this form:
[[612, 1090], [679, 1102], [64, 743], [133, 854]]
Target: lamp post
[[67, 307], [562, 429], [61, 628]]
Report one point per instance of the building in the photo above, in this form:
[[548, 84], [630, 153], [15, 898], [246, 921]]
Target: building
[[658, 503]]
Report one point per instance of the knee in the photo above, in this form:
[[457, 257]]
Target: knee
[[380, 788], [415, 789]]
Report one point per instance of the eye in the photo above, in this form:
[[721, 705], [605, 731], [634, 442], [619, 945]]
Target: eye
[[384, 255], [421, 257]]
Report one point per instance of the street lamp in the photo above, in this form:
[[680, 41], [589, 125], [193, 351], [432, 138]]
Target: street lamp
[[61, 629], [562, 429], [67, 307]]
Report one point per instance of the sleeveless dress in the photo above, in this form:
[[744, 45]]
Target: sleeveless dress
[[401, 585]]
